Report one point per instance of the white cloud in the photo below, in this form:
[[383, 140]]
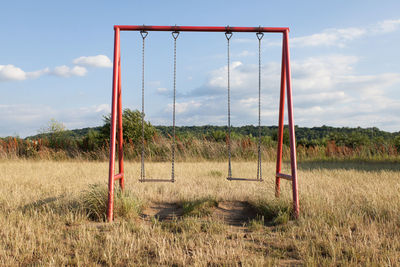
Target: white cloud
[[102, 108], [65, 71], [184, 107], [13, 73], [326, 90], [387, 26], [340, 37], [329, 37], [251, 101], [316, 73], [154, 83], [28, 119], [327, 98], [245, 53], [100, 61], [242, 76], [37, 74], [162, 90]]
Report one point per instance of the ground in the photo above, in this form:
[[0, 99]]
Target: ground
[[350, 215]]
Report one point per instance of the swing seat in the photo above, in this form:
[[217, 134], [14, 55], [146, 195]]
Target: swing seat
[[156, 180], [228, 36], [244, 179], [142, 179]]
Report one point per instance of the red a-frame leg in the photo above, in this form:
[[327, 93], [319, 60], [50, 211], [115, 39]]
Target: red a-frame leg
[[116, 111], [286, 82], [120, 132]]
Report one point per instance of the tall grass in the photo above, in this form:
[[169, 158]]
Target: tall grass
[[95, 199], [349, 216], [189, 149]]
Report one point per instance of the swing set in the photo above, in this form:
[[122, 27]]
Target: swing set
[[116, 110]]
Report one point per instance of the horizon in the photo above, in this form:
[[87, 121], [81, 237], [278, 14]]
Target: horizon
[[345, 71], [206, 125]]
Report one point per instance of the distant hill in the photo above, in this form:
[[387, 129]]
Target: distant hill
[[76, 134], [305, 133]]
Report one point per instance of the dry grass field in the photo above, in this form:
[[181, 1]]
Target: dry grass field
[[51, 214]]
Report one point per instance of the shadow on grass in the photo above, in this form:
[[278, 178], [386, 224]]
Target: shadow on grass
[[163, 211], [360, 165], [91, 203], [40, 204], [57, 205], [272, 213]]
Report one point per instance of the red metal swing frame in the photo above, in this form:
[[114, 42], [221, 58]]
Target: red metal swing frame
[[116, 109]]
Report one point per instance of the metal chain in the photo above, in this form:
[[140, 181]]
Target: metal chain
[[228, 36], [142, 171], [175, 35], [260, 35]]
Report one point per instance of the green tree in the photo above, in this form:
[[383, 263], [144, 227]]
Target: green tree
[[286, 136], [53, 127], [56, 133], [218, 135], [397, 142], [357, 139], [131, 125], [92, 140]]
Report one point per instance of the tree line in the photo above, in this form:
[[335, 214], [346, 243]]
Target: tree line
[[55, 136]]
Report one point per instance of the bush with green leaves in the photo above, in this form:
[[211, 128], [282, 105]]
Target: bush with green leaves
[[57, 135], [131, 125], [218, 136], [397, 142]]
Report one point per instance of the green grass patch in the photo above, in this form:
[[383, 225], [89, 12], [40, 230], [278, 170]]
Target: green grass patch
[[256, 224], [192, 225], [95, 200], [199, 207], [274, 212], [214, 173], [188, 225]]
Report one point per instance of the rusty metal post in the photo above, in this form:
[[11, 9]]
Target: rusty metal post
[[293, 160], [113, 126], [281, 120]]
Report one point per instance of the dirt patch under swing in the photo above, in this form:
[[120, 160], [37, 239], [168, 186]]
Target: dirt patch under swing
[[234, 213]]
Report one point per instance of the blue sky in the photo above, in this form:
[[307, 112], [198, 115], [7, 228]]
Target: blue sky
[[56, 55]]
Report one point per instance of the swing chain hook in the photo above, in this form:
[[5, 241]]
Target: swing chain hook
[[175, 35], [228, 33], [259, 34], [144, 34]]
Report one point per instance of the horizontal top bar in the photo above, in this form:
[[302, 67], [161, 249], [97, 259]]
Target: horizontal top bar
[[199, 28]]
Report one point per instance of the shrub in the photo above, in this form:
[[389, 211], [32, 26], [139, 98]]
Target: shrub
[[132, 127], [275, 212], [95, 201]]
